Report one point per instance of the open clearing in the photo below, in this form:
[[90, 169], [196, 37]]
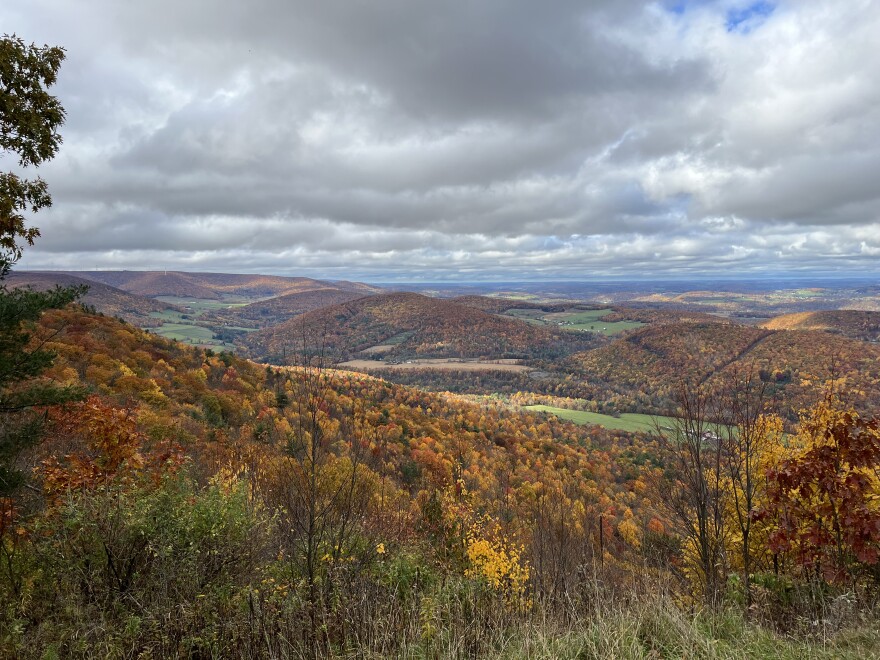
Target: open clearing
[[630, 422], [575, 320], [378, 349], [438, 363], [197, 306], [190, 334]]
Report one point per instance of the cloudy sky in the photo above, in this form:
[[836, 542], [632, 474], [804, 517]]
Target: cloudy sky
[[463, 139]]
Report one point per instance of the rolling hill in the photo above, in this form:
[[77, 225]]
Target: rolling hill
[[279, 309], [104, 298], [409, 324], [212, 286], [500, 305], [849, 323], [651, 316], [641, 371]]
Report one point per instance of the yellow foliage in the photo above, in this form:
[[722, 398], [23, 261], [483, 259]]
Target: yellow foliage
[[629, 531], [499, 563]]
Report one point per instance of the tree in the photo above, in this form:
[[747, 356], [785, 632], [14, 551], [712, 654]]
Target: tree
[[693, 487], [824, 499], [29, 122], [752, 439]]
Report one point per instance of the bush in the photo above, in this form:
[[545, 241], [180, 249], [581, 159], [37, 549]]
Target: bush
[[125, 569]]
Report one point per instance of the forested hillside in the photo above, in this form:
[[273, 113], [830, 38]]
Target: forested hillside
[[641, 372], [280, 308], [410, 324], [211, 285], [849, 323], [198, 503], [104, 298]]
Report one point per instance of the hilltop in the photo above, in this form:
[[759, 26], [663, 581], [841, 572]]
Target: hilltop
[[280, 308], [641, 371], [410, 324], [498, 305], [847, 322], [212, 286], [104, 298]]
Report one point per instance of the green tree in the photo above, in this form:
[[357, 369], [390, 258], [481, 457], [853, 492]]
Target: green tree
[[29, 121]]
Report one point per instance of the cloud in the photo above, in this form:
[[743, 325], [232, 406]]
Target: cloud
[[490, 139]]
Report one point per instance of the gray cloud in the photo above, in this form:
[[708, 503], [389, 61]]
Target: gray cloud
[[493, 138]]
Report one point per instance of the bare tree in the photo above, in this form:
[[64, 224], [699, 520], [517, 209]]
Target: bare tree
[[692, 483], [749, 435], [319, 489]]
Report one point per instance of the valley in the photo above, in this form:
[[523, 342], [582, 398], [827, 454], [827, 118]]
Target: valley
[[623, 357], [545, 430]]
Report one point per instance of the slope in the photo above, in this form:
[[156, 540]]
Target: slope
[[642, 371], [207, 285], [847, 322], [409, 324], [279, 309], [104, 298]]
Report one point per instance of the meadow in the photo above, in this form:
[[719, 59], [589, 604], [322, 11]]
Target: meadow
[[629, 422], [576, 320]]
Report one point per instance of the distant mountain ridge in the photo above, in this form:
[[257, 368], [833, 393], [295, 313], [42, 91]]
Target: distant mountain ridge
[[212, 286], [103, 297]]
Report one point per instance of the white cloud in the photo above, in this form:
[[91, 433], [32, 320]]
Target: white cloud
[[503, 138]]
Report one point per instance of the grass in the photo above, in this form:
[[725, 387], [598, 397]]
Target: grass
[[201, 305], [588, 320], [629, 422], [190, 334], [398, 339], [657, 629]]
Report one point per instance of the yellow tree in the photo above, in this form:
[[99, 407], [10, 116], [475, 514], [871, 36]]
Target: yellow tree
[[751, 439]]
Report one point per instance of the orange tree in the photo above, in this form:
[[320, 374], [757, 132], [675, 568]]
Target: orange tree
[[825, 498]]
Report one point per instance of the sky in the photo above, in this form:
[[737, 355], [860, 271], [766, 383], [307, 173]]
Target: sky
[[463, 139]]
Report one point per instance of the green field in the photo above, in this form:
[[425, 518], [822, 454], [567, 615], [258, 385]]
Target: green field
[[175, 326], [590, 320], [198, 306], [190, 334], [398, 339], [587, 320], [630, 422]]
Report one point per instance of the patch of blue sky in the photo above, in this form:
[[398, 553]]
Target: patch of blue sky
[[681, 7], [745, 19]]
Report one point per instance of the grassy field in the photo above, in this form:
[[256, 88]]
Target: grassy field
[[630, 422], [437, 363], [176, 325], [197, 306], [591, 321], [190, 334], [398, 339], [588, 320]]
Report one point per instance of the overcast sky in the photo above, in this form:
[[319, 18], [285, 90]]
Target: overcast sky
[[470, 139]]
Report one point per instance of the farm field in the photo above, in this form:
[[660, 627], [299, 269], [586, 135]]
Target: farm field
[[199, 305], [630, 422], [587, 320], [190, 334]]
